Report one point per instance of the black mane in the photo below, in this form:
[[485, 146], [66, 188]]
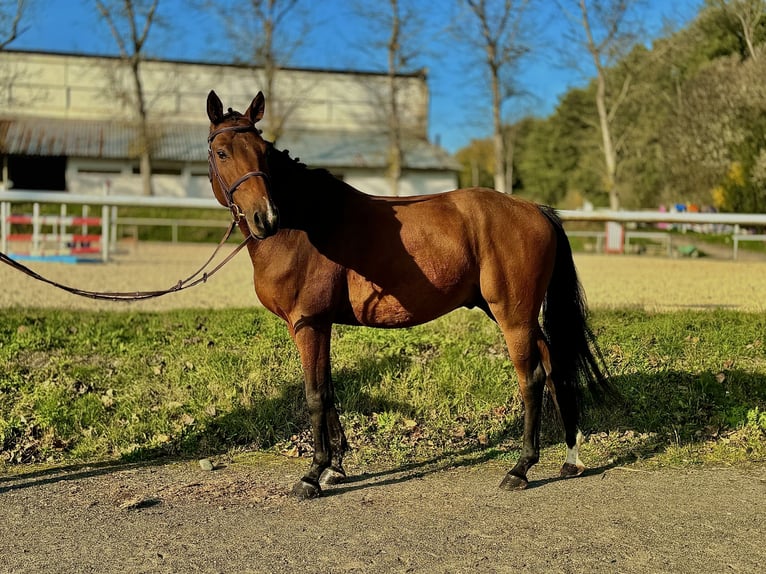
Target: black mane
[[231, 115], [281, 161]]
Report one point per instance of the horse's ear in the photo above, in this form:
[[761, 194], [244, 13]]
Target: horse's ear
[[214, 108], [256, 109]]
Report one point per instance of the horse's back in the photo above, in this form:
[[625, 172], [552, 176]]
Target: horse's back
[[490, 220]]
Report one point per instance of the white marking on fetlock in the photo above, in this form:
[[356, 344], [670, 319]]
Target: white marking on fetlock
[[573, 454]]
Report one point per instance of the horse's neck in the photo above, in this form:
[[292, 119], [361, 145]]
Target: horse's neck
[[310, 200]]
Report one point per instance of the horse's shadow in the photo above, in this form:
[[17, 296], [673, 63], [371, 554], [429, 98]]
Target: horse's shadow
[[656, 423]]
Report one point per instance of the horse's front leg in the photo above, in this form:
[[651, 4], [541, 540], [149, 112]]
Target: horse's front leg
[[335, 474], [314, 347]]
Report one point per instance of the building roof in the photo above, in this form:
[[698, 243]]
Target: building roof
[[236, 65], [35, 136]]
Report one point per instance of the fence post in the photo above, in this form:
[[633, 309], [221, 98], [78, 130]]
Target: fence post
[[61, 230], [36, 229], [113, 229], [105, 233], [4, 226]]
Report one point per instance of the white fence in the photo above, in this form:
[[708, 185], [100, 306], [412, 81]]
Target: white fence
[[735, 220], [110, 219]]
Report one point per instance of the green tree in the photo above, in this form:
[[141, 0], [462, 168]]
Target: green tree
[[743, 20], [476, 160]]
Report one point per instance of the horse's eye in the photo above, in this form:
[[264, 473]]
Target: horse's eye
[[221, 154]]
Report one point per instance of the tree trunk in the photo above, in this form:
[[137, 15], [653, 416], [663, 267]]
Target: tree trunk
[[498, 140], [395, 156], [748, 33], [144, 141], [610, 156]]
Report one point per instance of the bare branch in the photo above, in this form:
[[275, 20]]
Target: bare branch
[[121, 18], [620, 97], [107, 16], [147, 24], [13, 30]]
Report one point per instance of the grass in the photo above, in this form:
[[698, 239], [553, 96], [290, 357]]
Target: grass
[[88, 386]]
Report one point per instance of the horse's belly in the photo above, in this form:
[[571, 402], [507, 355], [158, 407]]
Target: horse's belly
[[402, 305]]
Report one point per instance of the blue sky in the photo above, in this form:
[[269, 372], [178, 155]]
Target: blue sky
[[459, 98]]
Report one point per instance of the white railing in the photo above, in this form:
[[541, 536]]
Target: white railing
[[109, 219], [669, 217], [19, 196], [736, 220]]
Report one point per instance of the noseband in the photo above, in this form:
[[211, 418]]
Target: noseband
[[229, 190]]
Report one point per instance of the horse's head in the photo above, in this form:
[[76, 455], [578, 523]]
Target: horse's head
[[238, 170]]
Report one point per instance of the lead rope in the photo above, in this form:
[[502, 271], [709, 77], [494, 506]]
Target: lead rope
[[191, 281]]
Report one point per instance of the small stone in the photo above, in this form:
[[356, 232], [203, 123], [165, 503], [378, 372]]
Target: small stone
[[139, 503], [206, 464]]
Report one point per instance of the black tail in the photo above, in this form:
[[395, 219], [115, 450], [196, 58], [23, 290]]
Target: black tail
[[576, 358]]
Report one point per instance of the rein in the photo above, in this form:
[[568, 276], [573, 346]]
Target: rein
[[199, 276]]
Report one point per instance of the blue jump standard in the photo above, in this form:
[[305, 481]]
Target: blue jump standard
[[54, 258]]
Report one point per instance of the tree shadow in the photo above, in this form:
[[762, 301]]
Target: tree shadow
[[66, 473]]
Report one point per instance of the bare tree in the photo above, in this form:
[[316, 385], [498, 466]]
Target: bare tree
[[129, 22], [396, 29], [747, 15], [11, 13], [606, 32], [261, 37], [502, 40]]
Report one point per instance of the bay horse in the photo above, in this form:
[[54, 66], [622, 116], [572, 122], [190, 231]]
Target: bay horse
[[324, 253]]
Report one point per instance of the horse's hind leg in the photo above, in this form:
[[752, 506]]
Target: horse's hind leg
[[566, 400], [565, 397], [523, 346]]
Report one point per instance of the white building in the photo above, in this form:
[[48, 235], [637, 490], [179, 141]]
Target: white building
[[66, 124]]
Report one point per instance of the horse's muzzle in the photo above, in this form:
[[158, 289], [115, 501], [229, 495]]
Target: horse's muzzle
[[263, 224]]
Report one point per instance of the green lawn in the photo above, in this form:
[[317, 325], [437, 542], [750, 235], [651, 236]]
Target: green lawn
[[86, 386]]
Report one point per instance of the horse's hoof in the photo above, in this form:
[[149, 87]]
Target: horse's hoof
[[513, 482], [569, 470], [304, 490], [332, 476]]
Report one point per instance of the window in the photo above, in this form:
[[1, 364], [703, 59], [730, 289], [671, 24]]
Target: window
[[37, 172]]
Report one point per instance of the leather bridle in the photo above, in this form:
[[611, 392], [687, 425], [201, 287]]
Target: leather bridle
[[229, 190]]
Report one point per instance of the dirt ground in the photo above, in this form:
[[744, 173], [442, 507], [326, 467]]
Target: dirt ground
[[175, 517], [179, 518], [653, 283]]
